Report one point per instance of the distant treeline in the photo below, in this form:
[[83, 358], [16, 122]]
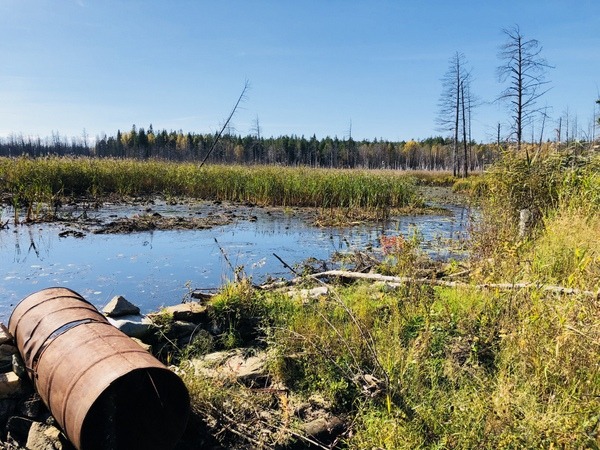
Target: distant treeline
[[429, 154]]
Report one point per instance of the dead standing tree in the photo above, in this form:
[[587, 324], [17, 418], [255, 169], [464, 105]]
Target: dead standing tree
[[454, 104], [524, 70]]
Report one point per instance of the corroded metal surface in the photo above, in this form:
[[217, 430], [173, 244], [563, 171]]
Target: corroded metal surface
[[104, 390]]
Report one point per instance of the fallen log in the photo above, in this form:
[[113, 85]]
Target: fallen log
[[434, 282]]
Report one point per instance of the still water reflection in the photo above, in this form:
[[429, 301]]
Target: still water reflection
[[153, 269]]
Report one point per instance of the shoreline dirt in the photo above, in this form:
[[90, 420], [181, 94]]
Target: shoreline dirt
[[133, 215]]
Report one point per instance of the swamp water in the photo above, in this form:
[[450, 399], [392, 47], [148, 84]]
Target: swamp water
[[158, 268]]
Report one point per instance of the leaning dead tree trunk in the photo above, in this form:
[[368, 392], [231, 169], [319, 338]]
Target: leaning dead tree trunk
[[226, 124]]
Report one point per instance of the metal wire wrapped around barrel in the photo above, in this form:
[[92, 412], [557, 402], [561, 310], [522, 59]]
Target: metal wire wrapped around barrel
[[103, 389]]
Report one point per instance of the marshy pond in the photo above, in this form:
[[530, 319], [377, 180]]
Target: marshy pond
[[158, 267]]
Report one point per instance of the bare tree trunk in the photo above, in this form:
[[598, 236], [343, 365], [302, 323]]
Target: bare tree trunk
[[524, 70], [464, 129], [457, 115], [567, 127], [498, 142], [542, 131], [398, 281], [469, 109]]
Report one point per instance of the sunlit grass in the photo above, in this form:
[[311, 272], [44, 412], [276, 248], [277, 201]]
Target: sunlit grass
[[455, 367], [31, 180], [566, 252], [466, 367]]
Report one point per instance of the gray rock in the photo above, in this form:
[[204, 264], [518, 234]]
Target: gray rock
[[323, 428], [133, 326], [233, 365], [32, 407], [44, 437], [18, 366], [10, 385], [119, 307], [188, 312], [180, 328], [201, 295], [524, 222], [7, 352], [5, 336]]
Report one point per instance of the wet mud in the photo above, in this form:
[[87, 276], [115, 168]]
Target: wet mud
[[124, 216]]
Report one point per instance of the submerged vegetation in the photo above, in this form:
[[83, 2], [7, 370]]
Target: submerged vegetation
[[418, 365]]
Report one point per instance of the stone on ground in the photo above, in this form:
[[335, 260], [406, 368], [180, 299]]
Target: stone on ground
[[133, 326], [119, 306], [5, 336], [186, 312], [10, 385], [44, 437], [6, 355], [233, 365]]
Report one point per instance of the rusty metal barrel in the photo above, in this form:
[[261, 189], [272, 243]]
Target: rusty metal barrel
[[104, 390]]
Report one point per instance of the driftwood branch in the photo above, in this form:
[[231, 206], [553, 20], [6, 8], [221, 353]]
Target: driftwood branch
[[392, 280], [286, 265]]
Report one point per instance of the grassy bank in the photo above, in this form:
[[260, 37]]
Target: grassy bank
[[421, 366], [561, 195], [405, 366], [46, 180], [427, 368]]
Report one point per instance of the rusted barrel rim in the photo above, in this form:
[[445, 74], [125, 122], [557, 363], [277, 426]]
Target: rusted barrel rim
[[97, 382]]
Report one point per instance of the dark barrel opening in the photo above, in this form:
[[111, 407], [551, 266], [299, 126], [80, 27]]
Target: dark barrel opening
[[137, 411]]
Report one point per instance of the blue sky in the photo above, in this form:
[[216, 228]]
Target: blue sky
[[314, 67]]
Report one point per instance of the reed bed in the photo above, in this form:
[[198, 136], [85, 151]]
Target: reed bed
[[35, 180]]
